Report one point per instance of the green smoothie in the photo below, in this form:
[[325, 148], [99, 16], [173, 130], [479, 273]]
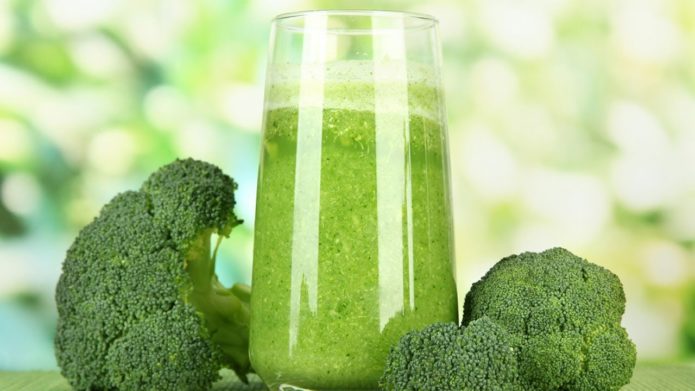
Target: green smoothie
[[353, 242]]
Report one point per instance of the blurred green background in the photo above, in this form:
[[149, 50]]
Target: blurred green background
[[572, 123]]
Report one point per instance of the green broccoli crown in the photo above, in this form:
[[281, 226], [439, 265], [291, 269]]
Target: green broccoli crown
[[558, 306], [539, 293], [189, 197], [138, 303], [444, 357], [425, 360], [489, 357]]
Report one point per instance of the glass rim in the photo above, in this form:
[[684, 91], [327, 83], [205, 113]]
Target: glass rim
[[424, 21]]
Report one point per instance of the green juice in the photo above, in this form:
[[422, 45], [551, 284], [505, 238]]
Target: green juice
[[353, 242]]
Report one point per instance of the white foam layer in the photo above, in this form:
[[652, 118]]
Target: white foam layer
[[382, 86], [356, 70]]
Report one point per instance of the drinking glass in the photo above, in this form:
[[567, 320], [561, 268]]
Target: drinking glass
[[353, 237]]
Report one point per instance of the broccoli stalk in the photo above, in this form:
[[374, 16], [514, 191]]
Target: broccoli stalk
[[139, 305], [225, 310]]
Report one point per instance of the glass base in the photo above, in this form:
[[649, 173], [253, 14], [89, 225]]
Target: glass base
[[289, 387]]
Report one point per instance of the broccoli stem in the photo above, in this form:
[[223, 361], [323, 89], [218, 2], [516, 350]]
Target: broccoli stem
[[199, 263], [225, 310]]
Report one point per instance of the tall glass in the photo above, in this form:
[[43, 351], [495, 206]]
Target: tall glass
[[353, 240]]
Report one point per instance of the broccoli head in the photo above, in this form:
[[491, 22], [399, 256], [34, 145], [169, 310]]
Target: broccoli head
[[564, 314], [444, 356], [139, 305]]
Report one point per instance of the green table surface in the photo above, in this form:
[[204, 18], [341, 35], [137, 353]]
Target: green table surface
[[647, 377]]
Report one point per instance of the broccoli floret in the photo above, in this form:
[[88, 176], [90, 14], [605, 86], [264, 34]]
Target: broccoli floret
[[444, 356], [565, 315], [489, 357], [139, 305], [424, 360], [545, 321], [550, 361]]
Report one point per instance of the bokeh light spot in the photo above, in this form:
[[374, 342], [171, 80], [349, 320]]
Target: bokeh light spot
[[15, 142], [112, 151], [7, 27], [21, 193], [242, 105], [75, 15], [494, 83], [489, 165], [643, 33], [664, 263], [518, 27], [575, 205], [99, 57], [166, 107]]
